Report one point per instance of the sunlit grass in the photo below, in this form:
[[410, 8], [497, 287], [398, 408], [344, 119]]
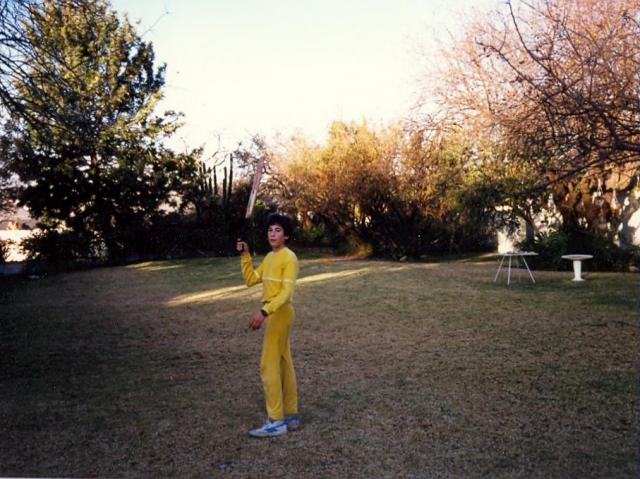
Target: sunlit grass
[[206, 296], [331, 276], [150, 266]]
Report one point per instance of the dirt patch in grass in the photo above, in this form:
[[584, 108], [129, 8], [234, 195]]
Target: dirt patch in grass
[[404, 370]]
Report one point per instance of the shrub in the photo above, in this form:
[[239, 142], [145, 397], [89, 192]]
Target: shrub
[[550, 248], [4, 250], [607, 256]]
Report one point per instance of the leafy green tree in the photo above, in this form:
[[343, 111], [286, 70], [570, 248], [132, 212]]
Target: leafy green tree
[[87, 146], [12, 41], [6, 186], [12, 47]]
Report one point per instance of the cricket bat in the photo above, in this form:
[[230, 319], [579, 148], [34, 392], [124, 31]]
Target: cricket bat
[[254, 188], [252, 197]]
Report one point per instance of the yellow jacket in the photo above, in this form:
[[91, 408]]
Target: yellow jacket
[[277, 273]]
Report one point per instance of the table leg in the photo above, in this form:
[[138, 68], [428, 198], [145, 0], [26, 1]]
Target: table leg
[[519, 268], [499, 268], [530, 274], [509, 273], [577, 270]]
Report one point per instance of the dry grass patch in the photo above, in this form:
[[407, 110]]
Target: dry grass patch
[[405, 370]]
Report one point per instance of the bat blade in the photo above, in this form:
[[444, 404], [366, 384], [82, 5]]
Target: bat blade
[[254, 188]]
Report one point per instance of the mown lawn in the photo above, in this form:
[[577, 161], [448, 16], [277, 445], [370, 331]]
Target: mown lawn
[[404, 370]]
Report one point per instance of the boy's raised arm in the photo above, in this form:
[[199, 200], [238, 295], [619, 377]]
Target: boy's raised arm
[[251, 276]]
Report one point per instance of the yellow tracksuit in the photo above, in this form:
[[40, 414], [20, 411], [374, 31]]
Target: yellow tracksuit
[[277, 273]]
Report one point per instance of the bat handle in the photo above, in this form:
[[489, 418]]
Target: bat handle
[[243, 235]]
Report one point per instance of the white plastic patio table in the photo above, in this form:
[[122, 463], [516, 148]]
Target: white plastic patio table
[[577, 264], [518, 255]]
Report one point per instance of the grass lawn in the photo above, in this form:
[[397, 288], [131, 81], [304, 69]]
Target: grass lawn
[[404, 371]]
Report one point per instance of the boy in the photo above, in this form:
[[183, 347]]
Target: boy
[[277, 273]]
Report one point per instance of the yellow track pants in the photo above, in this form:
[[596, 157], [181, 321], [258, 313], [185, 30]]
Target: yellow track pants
[[276, 366]]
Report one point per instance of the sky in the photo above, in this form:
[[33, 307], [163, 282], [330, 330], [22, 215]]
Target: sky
[[240, 67]]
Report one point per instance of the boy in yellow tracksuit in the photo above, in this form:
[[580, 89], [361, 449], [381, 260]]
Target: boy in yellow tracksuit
[[277, 273]]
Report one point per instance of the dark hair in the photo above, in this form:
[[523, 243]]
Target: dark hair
[[281, 220]]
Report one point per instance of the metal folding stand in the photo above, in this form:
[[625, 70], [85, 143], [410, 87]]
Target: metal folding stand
[[518, 256]]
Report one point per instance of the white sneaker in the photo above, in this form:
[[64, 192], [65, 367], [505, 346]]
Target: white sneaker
[[292, 422], [270, 429]]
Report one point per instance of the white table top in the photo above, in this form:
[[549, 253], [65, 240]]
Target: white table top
[[518, 253], [577, 257]]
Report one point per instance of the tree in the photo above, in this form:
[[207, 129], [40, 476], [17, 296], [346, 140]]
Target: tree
[[12, 46], [344, 185], [87, 146], [555, 84], [11, 42], [6, 185], [384, 192], [558, 79]]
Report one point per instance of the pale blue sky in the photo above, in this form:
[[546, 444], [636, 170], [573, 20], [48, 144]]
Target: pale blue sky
[[236, 67]]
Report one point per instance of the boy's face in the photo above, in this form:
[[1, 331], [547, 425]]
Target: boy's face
[[277, 238]]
